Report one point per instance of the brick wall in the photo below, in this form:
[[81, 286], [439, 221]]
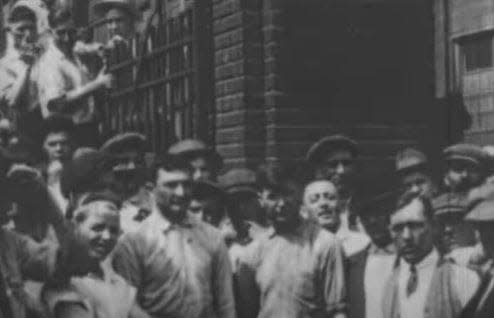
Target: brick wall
[[238, 81], [287, 74]]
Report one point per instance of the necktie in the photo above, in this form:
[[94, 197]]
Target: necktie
[[412, 280]]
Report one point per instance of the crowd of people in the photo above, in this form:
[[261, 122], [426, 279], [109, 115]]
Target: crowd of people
[[96, 230]]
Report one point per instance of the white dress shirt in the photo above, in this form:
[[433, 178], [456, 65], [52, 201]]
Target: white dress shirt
[[466, 283], [378, 268]]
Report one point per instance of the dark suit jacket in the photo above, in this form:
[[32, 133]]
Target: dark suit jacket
[[355, 271], [473, 310]]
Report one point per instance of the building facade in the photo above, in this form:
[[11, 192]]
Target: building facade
[[263, 79], [464, 61]]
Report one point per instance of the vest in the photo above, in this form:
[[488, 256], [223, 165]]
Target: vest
[[442, 300]]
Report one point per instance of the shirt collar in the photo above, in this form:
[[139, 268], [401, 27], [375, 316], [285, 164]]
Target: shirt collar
[[387, 250], [164, 225], [430, 260]]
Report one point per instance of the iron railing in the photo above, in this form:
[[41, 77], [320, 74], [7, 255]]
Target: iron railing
[[165, 85]]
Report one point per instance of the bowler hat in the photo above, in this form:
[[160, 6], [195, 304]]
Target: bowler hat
[[331, 143], [482, 212], [239, 180], [410, 158], [450, 203], [123, 142]]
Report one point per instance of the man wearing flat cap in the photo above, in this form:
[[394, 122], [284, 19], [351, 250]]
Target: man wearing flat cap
[[57, 140], [205, 162], [119, 16], [457, 239], [413, 172], [207, 203], [482, 217], [244, 211], [249, 221], [467, 167], [129, 172], [334, 158], [366, 269]]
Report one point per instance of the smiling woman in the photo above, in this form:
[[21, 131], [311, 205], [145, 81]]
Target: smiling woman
[[87, 286]]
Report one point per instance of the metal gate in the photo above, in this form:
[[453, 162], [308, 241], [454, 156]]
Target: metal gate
[[165, 85]]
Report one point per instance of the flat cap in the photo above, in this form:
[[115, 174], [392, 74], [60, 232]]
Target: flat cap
[[467, 152], [379, 204], [482, 212], [409, 158], [239, 180], [124, 141], [102, 6], [194, 147], [330, 143], [450, 203], [83, 172], [205, 189]]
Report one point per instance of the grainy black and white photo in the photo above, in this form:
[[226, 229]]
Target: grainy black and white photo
[[247, 159]]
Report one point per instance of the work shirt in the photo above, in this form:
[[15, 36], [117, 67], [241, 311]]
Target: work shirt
[[465, 281], [56, 75], [12, 68], [299, 274], [179, 270], [105, 295], [378, 267], [22, 258]]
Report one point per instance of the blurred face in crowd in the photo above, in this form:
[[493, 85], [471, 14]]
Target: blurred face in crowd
[[486, 232], [284, 207], [128, 172], [418, 182], [25, 34], [173, 193], [201, 169], [249, 217], [58, 146], [65, 36], [205, 209], [119, 23], [454, 232], [227, 230], [463, 175], [338, 167], [98, 228], [321, 204], [196, 210], [376, 225], [412, 232]]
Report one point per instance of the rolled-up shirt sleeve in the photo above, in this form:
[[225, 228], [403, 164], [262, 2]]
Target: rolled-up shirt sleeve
[[333, 277], [223, 283]]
